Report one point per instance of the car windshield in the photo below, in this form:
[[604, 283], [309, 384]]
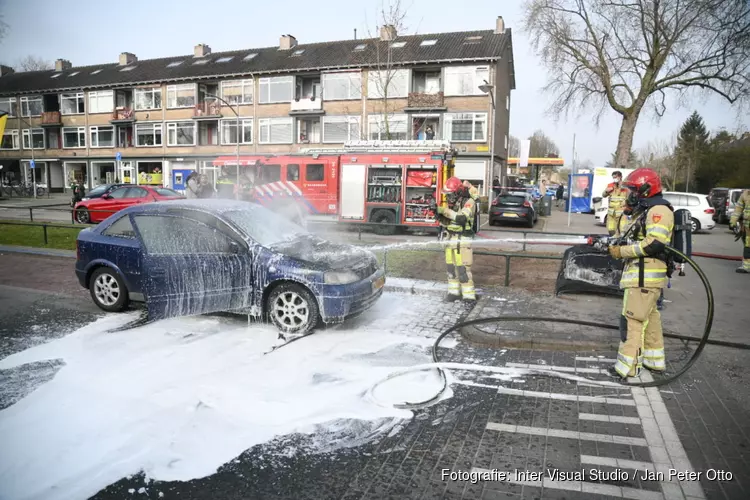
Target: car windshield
[[736, 196], [265, 227], [167, 192], [98, 190], [511, 200]]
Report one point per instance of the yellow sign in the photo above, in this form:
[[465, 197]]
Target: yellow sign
[[483, 148], [149, 179], [3, 121], [601, 171]]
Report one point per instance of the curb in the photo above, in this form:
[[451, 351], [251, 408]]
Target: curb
[[49, 252]]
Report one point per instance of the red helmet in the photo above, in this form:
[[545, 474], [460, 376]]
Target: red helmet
[[644, 181], [453, 185]]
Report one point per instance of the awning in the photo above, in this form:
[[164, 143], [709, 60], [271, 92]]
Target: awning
[[232, 160]]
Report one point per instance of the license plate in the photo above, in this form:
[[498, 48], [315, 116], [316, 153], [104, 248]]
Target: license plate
[[378, 284], [510, 215]]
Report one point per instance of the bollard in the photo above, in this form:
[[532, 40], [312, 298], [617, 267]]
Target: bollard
[[507, 270], [31, 214], [44, 228], [385, 261], [524, 241], [359, 229], [72, 217]]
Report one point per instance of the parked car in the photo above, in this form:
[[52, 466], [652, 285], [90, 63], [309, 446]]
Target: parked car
[[724, 202], [189, 257], [97, 209], [514, 206], [99, 191], [699, 205], [600, 212]]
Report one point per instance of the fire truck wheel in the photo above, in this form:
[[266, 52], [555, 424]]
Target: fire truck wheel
[[385, 217]]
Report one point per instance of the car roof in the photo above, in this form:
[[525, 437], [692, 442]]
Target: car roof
[[213, 206], [684, 192]]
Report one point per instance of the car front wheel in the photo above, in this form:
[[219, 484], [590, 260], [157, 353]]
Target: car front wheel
[[108, 290], [292, 308], [695, 225], [82, 216]]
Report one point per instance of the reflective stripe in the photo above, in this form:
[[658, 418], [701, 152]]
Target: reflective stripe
[[623, 364], [647, 275], [639, 252], [657, 230], [453, 286]]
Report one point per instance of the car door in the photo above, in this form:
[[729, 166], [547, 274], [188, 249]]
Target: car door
[[136, 196], [192, 264], [108, 204]]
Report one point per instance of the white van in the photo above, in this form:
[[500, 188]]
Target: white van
[[701, 211]]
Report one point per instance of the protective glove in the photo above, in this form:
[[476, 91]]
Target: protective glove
[[615, 251], [440, 210], [736, 228]]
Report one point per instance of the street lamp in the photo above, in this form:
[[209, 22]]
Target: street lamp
[[489, 89], [217, 98]]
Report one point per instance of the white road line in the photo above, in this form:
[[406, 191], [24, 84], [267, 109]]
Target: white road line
[[474, 384], [571, 369], [567, 397], [587, 487], [586, 436], [599, 386], [595, 360], [609, 418], [617, 462]]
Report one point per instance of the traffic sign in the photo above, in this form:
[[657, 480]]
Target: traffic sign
[[33, 164], [118, 156]]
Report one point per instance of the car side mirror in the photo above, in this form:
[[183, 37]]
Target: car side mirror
[[106, 197]]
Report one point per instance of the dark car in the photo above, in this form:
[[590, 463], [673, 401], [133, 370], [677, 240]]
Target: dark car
[[718, 199], [514, 207], [189, 257]]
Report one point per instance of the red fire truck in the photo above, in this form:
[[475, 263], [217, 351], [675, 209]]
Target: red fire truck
[[365, 181]]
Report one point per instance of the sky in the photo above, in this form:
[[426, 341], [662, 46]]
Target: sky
[[91, 32]]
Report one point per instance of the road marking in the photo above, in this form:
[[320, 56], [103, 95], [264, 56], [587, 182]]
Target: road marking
[[617, 462], [599, 386], [609, 418], [567, 397], [572, 369], [595, 360], [586, 487], [586, 436]]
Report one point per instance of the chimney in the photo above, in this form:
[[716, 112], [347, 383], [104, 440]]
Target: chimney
[[287, 42], [6, 70], [388, 33], [62, 65], [127, 58], [499, 25], [201, 50]]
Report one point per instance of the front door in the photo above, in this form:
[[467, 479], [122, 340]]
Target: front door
[[127, 173], [193, 265]]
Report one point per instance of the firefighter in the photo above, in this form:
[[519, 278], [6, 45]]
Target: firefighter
[[457, 219], [742, 211], [644, 275], [616, 194]]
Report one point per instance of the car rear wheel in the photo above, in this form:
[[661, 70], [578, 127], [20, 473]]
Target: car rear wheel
[[82, 216], [108, 290], [695, 225], [292, 308]]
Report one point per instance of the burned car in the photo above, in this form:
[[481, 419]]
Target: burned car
[[189, 257]]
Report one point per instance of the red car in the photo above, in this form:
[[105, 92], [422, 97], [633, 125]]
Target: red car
[[97, 209]]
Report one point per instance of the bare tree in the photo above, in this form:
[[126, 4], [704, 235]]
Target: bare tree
[[542, 145], [33, 63], [514, 147], [659, 155], [626, 54]]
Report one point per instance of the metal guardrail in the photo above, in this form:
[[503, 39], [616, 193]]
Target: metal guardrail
[[44, 226], [53, 208]]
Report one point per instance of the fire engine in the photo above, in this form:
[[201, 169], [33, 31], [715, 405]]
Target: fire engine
[[391, 182]]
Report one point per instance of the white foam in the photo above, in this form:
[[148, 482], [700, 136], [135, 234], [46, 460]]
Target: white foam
[[181, 397]]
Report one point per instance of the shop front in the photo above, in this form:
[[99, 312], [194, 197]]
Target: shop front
[[75, 172], [150, 173], [103, 172], [474, 171], [125, 174]]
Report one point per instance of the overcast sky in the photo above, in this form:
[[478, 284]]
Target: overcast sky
[[93, 32]]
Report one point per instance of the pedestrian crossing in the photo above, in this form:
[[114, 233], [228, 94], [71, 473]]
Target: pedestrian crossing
[[660, 437]]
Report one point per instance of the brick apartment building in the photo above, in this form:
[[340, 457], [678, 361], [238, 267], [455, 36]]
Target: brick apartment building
[[159, 115]]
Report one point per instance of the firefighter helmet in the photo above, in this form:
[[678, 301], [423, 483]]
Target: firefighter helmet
[[644, 182], [453, 185]]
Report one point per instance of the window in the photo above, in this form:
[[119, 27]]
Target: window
[[72, 104], [10, 140], [31, 106], [298, 52], [74, 137], [102, 136], [166, 192], [36, 135], [8, 104], [465, 80], [148, 134], [200, 61], [181, 133], [693, 201], [237, 91], [361, 46], [427, 43], [224, 59], [342, 86], [276, 130], [160, 236], [136, 192], [118, 193], [181, 96], [270, 173], [397, 45], [395, 81], [174, 64], [55, 75], [276, 89], [315, 173], [292, 172], [229, 131], [466, 127], [394, 130], [149, 98], [74, 73], [128, 68], [96, 72], [102, 101], [339, 129], [121, 228], [249, 57]]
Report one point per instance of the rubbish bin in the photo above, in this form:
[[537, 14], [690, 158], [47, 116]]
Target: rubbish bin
[[546, 205]]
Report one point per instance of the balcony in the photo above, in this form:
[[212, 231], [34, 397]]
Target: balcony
[[51, 119], [422, 101], [123, 115], [307, 106], [207, 110]]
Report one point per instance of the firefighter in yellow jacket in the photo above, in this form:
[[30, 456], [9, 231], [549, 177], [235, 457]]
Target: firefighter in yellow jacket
[[742, 211], [644, 275], [457, 219], [616, 194]]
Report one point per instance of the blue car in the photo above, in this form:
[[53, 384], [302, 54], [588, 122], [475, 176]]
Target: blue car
[[189, 257]]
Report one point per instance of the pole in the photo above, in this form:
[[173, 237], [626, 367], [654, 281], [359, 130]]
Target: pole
[[237, 191], [492, 151], [33, 170], [570, 184]]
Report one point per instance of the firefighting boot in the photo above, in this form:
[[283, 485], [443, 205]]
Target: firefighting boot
[[742, 270], [451, 297], [613, 373]]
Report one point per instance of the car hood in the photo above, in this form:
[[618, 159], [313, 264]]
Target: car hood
[[325, 254]]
